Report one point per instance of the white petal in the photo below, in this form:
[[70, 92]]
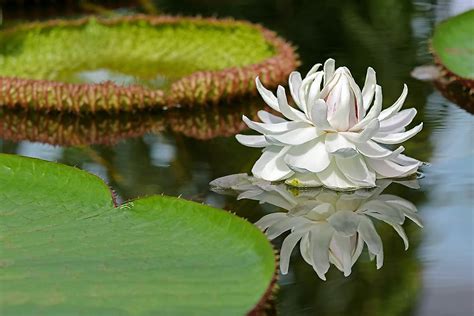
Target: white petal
[[288, 111], [294, 82], [345, 251], [369, 235], [337, 144], [314, 91], [397, 138], [311, 156], [373, 150], [285, 224], [344, 222], [355, 169], [379, 257], [405, 160], [294, 137], [333, 178], [304, 180], [287, 247], [369, 87], [320, 238], [267, 95], [266, 128], [397, 121], [303, 91], [269, 118], [396, 106], [269, 220], [380, 209], [271, 166], [373, 113], [389, 169], [367, 133], [318, 113], [313, 70], [329, 67], [252, 140]]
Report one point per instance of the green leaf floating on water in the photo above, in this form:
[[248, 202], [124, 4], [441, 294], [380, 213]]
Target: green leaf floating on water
[[453, 44], [66, 250], [134, 62]]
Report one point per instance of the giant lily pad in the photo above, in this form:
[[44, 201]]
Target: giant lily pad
[[69, 65], [67, 250], [454, 48]]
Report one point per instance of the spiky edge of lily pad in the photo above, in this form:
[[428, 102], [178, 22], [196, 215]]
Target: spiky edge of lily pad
[[198, 88], [67, 129]]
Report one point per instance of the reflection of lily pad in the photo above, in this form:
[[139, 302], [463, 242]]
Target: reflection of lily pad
[[135, 62], [67, 129], [66, 250], [453, 46]]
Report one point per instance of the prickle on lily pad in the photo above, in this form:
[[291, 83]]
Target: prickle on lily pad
[[66, 249]]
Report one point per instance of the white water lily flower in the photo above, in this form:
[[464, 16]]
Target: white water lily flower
[[332, 227], [336, 137]]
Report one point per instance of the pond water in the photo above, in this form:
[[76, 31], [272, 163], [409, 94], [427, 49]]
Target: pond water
[[180, 152]]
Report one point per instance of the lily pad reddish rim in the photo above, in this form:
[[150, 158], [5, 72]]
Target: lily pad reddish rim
[[197, 89]]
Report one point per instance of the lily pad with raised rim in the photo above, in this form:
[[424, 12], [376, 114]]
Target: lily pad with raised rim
[[453, 46], [136, 62], [67, 250]]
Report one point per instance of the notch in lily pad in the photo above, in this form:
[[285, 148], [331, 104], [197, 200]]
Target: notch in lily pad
[[66, 249]]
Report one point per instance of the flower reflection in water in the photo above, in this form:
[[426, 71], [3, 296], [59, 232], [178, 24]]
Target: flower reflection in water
[[332, 227]]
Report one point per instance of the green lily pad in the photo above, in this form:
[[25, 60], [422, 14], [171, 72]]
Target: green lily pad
[[453, 44], [67, 250], [134, 62]]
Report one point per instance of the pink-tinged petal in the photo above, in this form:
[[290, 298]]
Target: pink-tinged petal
[[397, 138], [286, 109], [318, 114], [269, 118], [373, 150], [373, 112], [320, 238], [294, 137], [359, 110], [271, 166], [369, 87], [267, 128], [397, 121], [355, 169], [385, 114], [333, 178], [390, 169], [340, 101], [329, 67], [311, 156], [267, 95], [337, 144], [252, 140], [294, 82]]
